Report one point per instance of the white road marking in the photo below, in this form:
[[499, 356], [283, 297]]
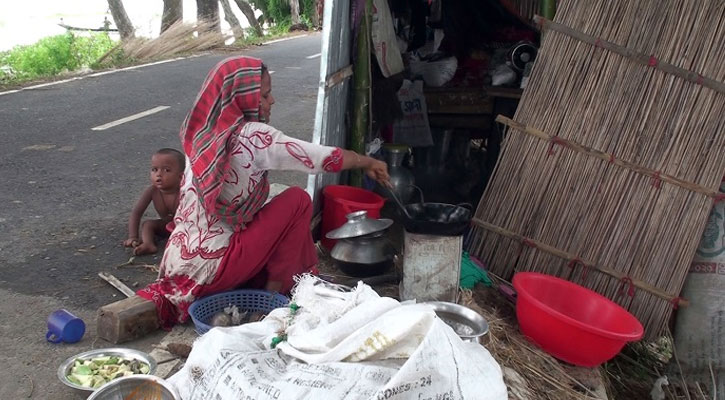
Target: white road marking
[[293, 67], [39, 147], [97, 74], [313, 56], [130, 118], [42, 85], [271, 72], [140, 66]]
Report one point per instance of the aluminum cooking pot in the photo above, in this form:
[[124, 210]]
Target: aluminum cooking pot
[[363, 256]]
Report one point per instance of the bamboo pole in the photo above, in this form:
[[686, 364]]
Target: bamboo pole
[[577, 261], [361, 90], [657, 176], [548, 9]]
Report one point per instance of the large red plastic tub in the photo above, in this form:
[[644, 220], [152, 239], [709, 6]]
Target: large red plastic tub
[[340, 200], [571, 322]]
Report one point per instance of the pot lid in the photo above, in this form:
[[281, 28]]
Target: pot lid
[[358, 224]]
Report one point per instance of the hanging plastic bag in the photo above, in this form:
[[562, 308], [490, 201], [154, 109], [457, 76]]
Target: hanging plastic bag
[[413, 129], [385, 43], [435, 73]]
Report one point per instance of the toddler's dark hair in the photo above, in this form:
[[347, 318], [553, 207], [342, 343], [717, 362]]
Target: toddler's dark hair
[[180, 158]]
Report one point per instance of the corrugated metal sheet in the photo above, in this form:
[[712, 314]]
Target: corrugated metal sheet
[[331, 102]]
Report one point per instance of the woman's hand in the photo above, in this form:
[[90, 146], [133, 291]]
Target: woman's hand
[[378, 171], [375, 169]]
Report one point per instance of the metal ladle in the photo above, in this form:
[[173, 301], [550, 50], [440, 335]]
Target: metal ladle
[[400, 203]]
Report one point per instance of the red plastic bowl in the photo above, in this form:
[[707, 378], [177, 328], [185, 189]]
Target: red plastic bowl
[[570, 322]]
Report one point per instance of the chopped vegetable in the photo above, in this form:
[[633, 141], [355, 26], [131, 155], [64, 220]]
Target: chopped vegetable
[[95, 372]]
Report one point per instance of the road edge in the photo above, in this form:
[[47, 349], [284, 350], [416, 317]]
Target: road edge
[[113, 71]]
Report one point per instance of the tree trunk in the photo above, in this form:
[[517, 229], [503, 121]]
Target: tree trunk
[[294, 9], [232, 19], [248, 12], [208, 10], [173, 12], [123, 23], [317, 14]]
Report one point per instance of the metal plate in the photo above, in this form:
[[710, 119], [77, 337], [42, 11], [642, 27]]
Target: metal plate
[[66, 366], [463, 315], [358, 224], [134, 387]]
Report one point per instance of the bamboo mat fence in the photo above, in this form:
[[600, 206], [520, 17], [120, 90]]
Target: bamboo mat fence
[[613, 159]]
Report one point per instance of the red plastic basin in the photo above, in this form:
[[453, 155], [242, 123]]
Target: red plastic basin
[[340, 200], [571, 322]]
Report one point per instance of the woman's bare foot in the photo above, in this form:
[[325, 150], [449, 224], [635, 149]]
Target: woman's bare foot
[[144, 248]]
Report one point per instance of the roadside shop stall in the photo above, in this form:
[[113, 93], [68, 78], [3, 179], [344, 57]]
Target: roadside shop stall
[[550, 178]]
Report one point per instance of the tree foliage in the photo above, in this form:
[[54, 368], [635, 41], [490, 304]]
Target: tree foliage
[[53, 55]]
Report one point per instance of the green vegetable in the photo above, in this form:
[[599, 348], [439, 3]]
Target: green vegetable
[[83, 370], [96, 372], [74, 379]]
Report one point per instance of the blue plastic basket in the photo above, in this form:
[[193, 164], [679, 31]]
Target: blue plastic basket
[[252, 300]]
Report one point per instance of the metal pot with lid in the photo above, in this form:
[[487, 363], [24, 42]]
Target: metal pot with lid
[[362, 247]]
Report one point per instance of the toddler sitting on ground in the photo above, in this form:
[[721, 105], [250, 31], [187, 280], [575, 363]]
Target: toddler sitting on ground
[[167, 170]]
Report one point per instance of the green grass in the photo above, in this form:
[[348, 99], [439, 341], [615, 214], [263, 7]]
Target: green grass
[[278, 30], [68, 53], [52, 56]]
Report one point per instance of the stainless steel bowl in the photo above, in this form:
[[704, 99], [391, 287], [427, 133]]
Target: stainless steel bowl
[[454, 314], [136, 387], [66, 366]]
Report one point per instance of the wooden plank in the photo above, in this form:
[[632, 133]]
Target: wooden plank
[[509, 93], [643, 59], [113, 281], [450, 121], [338, 77], [458, 102], [180, 334], [126, 320]]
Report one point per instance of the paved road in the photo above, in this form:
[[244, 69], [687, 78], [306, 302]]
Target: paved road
[[68, 189]]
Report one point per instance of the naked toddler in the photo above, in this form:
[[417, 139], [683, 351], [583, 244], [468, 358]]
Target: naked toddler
[[167, 170]]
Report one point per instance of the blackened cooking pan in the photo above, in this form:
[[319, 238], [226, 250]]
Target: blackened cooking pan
[[438, 218]]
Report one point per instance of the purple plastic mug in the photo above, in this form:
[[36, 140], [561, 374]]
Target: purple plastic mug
[[64, 327]]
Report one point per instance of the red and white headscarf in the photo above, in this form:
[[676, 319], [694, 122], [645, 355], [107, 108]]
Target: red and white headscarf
[[228, 99]]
